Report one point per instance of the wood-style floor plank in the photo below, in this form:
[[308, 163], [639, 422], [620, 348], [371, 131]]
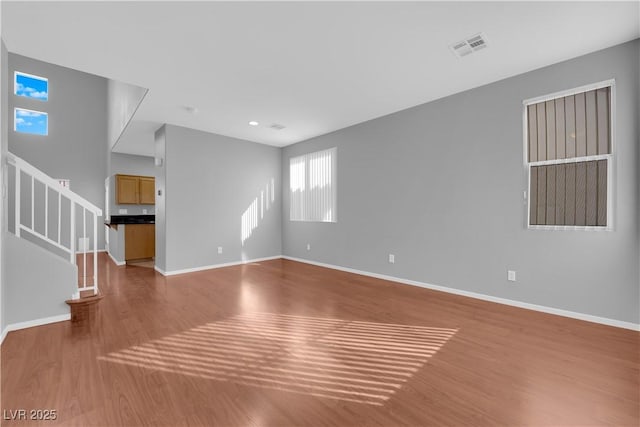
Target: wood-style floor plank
[[280, 343]]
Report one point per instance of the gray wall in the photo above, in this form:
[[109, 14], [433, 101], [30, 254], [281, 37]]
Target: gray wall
[[211, 180], [129, 164], [116, 243], [4, 85], [123, 100], [37, 293], [441, 187], [75, 146]]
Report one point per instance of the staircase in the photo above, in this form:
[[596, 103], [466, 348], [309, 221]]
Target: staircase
[[51, 216]]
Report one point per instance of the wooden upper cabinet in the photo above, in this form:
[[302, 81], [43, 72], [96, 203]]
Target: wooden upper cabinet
[[135, 190], [127, 189], [147, 194]]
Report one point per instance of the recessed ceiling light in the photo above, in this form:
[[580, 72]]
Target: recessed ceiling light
[[253, 123]]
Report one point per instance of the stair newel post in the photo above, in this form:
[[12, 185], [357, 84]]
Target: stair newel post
[[18, 201]]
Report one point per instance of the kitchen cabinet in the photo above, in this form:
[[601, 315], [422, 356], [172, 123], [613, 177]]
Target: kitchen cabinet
[[135, 190], [139, 241], [147, 190]]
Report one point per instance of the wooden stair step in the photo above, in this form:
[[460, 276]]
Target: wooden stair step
[[83, 308]]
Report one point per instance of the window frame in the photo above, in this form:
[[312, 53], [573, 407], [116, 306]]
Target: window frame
[[611, 83], [32, 76], [15, 125]]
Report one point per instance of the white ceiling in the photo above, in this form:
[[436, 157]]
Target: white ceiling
[[314, 67]]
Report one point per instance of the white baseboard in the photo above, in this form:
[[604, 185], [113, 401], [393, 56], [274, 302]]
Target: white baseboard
[[159, 270], [115, 261], [211, 267], [535, 307], [88, 252], [32, 323]]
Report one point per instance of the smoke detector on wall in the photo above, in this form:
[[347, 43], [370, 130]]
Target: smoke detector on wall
[[469, 45]]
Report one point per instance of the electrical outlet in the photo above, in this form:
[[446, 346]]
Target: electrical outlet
[[122, 211], [308, 246], [511, 275], [219, 249], [144, 211], [392, 258]]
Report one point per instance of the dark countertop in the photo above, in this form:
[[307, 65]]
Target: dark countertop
[[131, 219]]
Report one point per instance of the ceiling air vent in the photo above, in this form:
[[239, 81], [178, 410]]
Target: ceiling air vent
[[277, 126], [470, 45]]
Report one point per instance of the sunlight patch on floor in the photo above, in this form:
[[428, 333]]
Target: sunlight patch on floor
[[356, 361]]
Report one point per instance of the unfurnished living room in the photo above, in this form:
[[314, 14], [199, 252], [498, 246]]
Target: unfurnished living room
[[322, 213]]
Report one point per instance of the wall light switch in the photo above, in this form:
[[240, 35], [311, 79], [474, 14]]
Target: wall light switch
[[511, 275], [219, 249], [392, 258], [308, 246]]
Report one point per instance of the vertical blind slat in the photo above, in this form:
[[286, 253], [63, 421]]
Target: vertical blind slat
[[551, 129], [581, 189], [551, 195], [560, 180], [561, 148], [533, 133], [581, 140], [591, 123], [570, 125], [592, 193], [604, 145], [542, 131], [602, 192], [570, 194], [542, 196]]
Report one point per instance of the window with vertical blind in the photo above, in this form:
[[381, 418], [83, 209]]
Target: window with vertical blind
[[312, 186], [569, 158]]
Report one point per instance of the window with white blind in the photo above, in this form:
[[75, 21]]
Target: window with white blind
[[312, 186], [568, 143]]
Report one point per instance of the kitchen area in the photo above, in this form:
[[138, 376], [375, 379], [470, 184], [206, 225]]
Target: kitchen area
[[130, 216]]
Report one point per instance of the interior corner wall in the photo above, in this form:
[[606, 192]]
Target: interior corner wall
[[216, 196], [160, 207], [75, 146], [441, 186]]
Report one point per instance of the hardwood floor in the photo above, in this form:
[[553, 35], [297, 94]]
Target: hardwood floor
[[280, 343]]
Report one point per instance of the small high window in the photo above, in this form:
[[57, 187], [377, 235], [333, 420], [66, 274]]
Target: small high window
[[31, 86], [29, 121]]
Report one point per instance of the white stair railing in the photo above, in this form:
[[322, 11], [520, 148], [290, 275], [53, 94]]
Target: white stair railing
[[27, 178]]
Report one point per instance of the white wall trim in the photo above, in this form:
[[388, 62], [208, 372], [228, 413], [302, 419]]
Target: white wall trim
[[115, 261], [32, 323], [211, 267], [90, 251], [535, 307], [159, 270]]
